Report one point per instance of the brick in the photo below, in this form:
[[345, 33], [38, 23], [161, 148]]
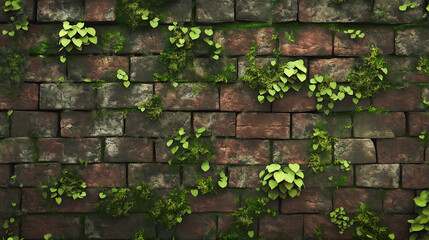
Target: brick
[[415, 176], [234, 151], [388, 12], [145, 41], [408, 41], [383, 38], [222, 202], [118, 228], [321, 180], [69, 151], [337, 68], [225, 223], [378, 175], [185, 98], [96, 68], [128, 150], [34, 124], [263, 125], [4, 124], [304, 123], [244, 176], [425, 93], [379, 125], [393, 99], [103, 174], [114, 95], [352, 198], [400, 150], [347, 105], [266, 11], [311, 200], [215, 11], [178, 11], [163, 153], [237, 99], [295, 102], [205, 69], [91, 124], [301, 41], [283, 226], [217, 124], [100, 10], [16, 150], [157, 175], [238, 41], [329, 229], [36, 174], [59, 226], [192, 171], [5, 174], [327, 11], [45, 70], [291, 151], [60, 10], [67, 96], [399, 70], [136, 124], [194, 227], [357, 151], [9, 196], [143, 68], [398, 201], [398, 225], [26, 99], [418, 121]]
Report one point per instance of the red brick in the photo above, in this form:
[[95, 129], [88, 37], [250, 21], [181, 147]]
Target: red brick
[[170, 122], [16, 150], [393, 99], [59, 10], [329, 229], [217, 124], [128, 150], [239, 41], [195, 226], [295, 102], [65, 150], [5, 174], [418, 121], [9, 196], [27, 98], [101, 227], [383, 38], [282, 226], [291, 151], [379, 125], [67, 96], [263, 125], [400, 150], [233, 151], [352, 198], [34, 124], [244, 176], [415, 176], [47, 69], [59, 226], [326, 11], [100, 10], [304, 123], [337, 68], [311, 200], [36, 174], [356, 151], [378, 175], [398, 201], [409, 41], [398, 225], [237, 99], [222, 202], [96, 68], [91, 124], [104, 175], [156, 175], [304, 42]]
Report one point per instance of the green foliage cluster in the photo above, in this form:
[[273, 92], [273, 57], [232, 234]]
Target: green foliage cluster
[[113, 40], [13, 65], [9, 223], [405, 6], [321, 148], [206, 186], [420, 225], [227, 73], [122, 75], [139, 235], [18, 20], [339, 218], [355, 33], [339, 1], [152, 107], [69, 185], [280, 182], [75, 36], [424, 65]]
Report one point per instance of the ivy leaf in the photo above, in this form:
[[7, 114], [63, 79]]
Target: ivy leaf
[[101, 195], [273, 167], [251, 234], [294, 167], [208, 32], [319, 106], [194, 192], [312, 87], [289, 72], [273, 183], [301, 77], [77, 42], [293, 193], [65, 41], [194, 36], [58, 200], [154, 22], [205, 166], [333, 85], [355, 100], [270, 98], [179, 219], [273, 194], [279, 176], [47, 236], [174, 149], [126, 84]]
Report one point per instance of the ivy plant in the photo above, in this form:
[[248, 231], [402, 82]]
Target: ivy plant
[[13, 66], [321, 148], [75, 37], [205, 186], [423, 65], [355, 33], [122, 75], [18, 20], [69, 185], [420, 225], [281, 182], [368, 226], [152, 107], [339, 218], [405, 6]]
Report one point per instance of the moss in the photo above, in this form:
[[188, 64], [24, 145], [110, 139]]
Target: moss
[[339, 1], [424, 65], [113, 40], [369, 226], [321, 149], [152, 107], [206, 186], [13, 65]]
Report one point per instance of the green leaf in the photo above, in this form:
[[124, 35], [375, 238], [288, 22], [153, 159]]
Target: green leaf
[[270, 98], [273, 184], [294, 167], [9, 113], [222, 184], [80, 25], [126, 84], [179, 219], [292, 193], [312, 87], [333, 85], [58, 200], [208, 32], [169, 142], [273, 194], [47, 236], [331, 105], [216, 57], [355, 100], [194, 192], [185, 145], [301, 77], [384, 70], [273, 167], [289, 72], [93, 40], [403, 7], [154, 22], [66, 25], [298, 182], [319, 106], [174, 149], [250, 234], [205, 166], [290, 176], [279, 176], [194, 36], [77, 42], [65, 41], [392, 236], [102, 195]]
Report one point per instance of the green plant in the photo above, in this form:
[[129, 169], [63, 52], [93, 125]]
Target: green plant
[[75, 36], [122, 75], [423, 134], [290, 37], [113, 40], [206, 185], [420, 225], [370, 227], [339, 1], [338, 217], [355, 33], [139, 235], [69, 185], [404, 6], [423, 65], [280, 182], [9, 223], [18, 20], [224, 76], [152, 107], [223, 182], [321, 148], [345, 165], [13, 65]]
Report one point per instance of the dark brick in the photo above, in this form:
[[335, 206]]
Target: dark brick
[[27, 98], [380, 37], [67, 150], [329, 229], [337, 68], [16, 150], [192, 172], [418, 121], [351, 199], [45, 70], [143, 68], [379, 125], [304, 123], [4, 124], [91, 124], [244, 176], [222, 202], [234, 151], [347, 105], [145, 41], [398, 225], [34, 124], [96, 68], [311, 200], [295, 102], [356, 151], [237, 99], [9, 196], [266, 11], [35, 227], [128, 150], [36, 174], [179, 11], [60, 10], [263, 125], [5, 174], [225, 223], [136, 124], [157, 175], [409, 41], [114, 95], [291, 151], [283, 226], [393, 99], [401, 70], [104, 175], [378, 175], [217, 124], [415, 176], [214, 11], [398, 201], [303, 42], [66, 96], [100, 10], [400, 150], [388, 12], [327, 11], [205, 69], [194, 227], [321, 180], [238, 41]]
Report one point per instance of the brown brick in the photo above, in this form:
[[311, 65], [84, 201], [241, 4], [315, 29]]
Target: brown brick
[[393, 99], [66, 150], [337, 68], [137, 122], [222, 202], [143, 68], [418, 121], [388, 12], [4, 124], [415, 176], [304, 43], [16, 150], [237, 99], [9, 196], [409, 41], [379, 125], [47, 69], [283, 226], [91, 124], [179, 11], [244, 176], [35, 227], [114, 95], [304, 123], [128, 150], [157, 175], [96, 68], [400, 150], [383, 38], [398, 201], [398, 225], [214, 11], [329, 229], [377, 175], [234, 151], [238, 42], [67, 96], [104, 175], [34, 124], [356, 151], [194, 227], [5, 174], [351, 199], [291, 151], [224, 223], [36, 174], [60, 10], [263, 125], [100, 10], [192, 171], [266, 11], [145, 41], [311, 200], [321, 180], [327, 11], [217, 124], [295, 102], [26, 99]]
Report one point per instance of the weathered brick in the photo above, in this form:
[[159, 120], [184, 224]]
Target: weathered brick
[[60, 10], [157, 175], [266, 11], [304, 123], [379, 125], [128, 150], [178, 11], [222, 202], [393, 99], [118, 228], [311, 200], [291, 151], [347, 105], [16, 150], [238, 41], [137, 122], [26, 99], [377, 175], [388, 12], [96, 68], [352, 198], [234, 151], [5, 174], [225, 223], [100, 10], [356, 151], [215, 11], [4, 124], [217, 124], [409, 41], [193, 171], [425, 94], [244, 176], [36, 174], [418, 121], [383, 38], [145, 41], [95, 124], [327, 11], [415, 176], [194, 227], [398, 224], [399, 70], [66, 96], [143, 68], [329, 229], [263, 125], [400, 150], [45, 70], [102, 174], [398, 201], [205, 69], [237, 99], [321, 180], [283, 226], [35, 227], [114, 95], [185, 98], [34, 124], [67, 150], [301, 41], [293, 101], [9, 196], [337, 68]]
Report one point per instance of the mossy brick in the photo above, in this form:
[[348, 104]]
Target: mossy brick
[[393, 99], [337, 68], [192, 171], [387, 11], [383, 38], [143, 68], [357, 151], [301, 41], [91, 124], [329, 229], [28, 9], [144, 41], [47, 69], [206, 68], [311, 200], [282, 226], [409, 41], [178, 11], [417, 122], [377, 175], [69, 150], [9, 196], [16, 150], [402, 70], [324, 11], [100, 10], [128, 150], [31, 175], [5, 174], [263, 125], [4, 124], [241, 98], [425, 93], [96, 68], [225, 201], [116, 95], [137, 122], [321, 179], [352, 198], [162, 152], [400, 150], [102, 174], [291, 151], [26, 97], [60, 10], [156, 175], [398, 201], [293, 101], [267, 11], [304, 123], [195, 226], [208, 11], [415, 176], [34, 124], [379, 125], [216, 123], [244, 176], [185, 97], [247, 152], [239, 41], [98, 226], [40, 36], [398, 224], [36, 226], [66, 96]]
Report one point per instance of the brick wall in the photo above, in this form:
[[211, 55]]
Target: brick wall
[[53, 125]]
